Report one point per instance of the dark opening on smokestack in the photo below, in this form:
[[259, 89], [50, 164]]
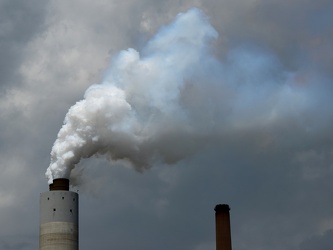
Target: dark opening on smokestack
[[59, 184], [222, 223]]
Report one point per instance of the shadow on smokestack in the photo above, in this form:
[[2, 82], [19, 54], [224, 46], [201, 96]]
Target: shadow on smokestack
[[222, 223]]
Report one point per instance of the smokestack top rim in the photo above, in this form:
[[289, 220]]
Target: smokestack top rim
[[59, 184], [222, 208]]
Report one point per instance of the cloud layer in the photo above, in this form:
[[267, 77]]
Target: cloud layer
[[256, 101]]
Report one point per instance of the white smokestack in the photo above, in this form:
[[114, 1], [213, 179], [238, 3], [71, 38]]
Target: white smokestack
[[173, 98]]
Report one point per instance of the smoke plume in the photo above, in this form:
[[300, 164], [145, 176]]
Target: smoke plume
[[174, 97]]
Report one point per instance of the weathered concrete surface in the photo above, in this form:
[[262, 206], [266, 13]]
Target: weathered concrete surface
[[58, 236], [59, 220]]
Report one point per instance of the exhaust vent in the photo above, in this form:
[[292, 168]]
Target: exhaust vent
[[59, 184]]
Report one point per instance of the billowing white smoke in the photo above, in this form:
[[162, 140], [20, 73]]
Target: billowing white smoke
[[173, 98]]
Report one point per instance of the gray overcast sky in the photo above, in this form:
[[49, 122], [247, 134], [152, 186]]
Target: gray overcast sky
[[271, 159]]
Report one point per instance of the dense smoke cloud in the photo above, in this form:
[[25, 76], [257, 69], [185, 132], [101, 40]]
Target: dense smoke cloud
[[175, 97], [138, 102]]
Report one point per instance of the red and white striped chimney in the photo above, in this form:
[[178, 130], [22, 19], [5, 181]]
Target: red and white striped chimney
[[222, 223]]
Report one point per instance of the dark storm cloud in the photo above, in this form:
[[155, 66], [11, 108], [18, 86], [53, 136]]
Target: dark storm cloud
[[277, 179], [320, 242], [268, 186], [298, 31], [20, 21], [17, 244]]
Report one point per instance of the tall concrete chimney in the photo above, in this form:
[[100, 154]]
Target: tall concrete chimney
[[59, 217], [222, 223]]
